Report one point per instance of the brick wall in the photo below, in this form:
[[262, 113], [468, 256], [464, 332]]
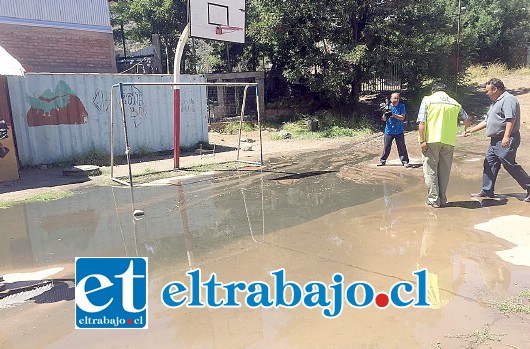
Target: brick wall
[[57, 50]]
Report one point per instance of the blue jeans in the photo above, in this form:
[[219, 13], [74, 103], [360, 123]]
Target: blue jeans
[[498, 155], [402, 148]]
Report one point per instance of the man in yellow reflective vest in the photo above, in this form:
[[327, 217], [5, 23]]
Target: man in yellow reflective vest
[[438, 122]]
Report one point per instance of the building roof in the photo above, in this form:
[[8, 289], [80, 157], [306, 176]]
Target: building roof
[[9, 64]]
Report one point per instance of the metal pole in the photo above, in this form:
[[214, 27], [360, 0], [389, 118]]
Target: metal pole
[[228, 64], [176, 95], [123, 40], [127, 148], [111, 132], [241, 120], [167, 60], [259, 125], [458, 44]]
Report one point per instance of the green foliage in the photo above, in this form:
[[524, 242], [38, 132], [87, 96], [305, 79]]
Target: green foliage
[[299, 129], [41, 197], [142, 18], [482, 338], [495, 31], [222, 166], [326, 49], [149, 175], [94, 156], [330, 125], [232, 128], [337, 131], [519, 304]]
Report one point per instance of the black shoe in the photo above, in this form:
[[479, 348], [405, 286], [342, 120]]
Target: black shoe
[[482, 195], [527, 198], [381, 164]]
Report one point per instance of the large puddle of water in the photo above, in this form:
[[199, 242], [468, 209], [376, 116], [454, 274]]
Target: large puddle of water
[[314, 217]]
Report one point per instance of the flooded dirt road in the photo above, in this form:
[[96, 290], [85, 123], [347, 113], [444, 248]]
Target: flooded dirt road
[[314, 216]]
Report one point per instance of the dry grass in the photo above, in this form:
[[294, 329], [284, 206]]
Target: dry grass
[[478, 74]]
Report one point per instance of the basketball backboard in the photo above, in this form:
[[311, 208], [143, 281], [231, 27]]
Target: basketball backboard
[[218, 20]]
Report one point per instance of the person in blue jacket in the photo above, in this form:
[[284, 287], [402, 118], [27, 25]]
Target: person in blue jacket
[[394, 129]]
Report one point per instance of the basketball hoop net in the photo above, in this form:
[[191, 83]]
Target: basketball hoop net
[[223, 29]]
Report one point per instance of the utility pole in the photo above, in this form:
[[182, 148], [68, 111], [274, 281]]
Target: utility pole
[[458, 44], [123, 40], [228, 64]]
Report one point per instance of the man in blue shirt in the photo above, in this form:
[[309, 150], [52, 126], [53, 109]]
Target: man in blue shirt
[[394, 130]]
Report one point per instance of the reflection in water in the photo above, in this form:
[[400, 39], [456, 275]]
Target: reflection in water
[[21, 294], [219, 209], [16, 288], [391, 220], [442, 284], [181, 204], [121, 226], [262, 207], [442, 254]]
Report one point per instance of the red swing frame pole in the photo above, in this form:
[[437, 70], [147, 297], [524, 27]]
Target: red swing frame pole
[[176, 95]]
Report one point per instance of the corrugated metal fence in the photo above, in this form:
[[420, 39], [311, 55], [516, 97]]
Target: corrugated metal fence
[[57, 117], [90, 12]]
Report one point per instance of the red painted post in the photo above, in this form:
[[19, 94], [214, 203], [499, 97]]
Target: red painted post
[[176, 95], [176, 127]]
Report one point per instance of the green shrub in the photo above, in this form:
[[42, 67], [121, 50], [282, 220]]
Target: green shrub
[[94, 156], [329, 126], [233, 127]]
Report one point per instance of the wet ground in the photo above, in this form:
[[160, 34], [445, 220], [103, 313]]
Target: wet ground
[[314, 215]]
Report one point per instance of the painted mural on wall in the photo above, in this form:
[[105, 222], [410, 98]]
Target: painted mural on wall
[[59, 107], [74, 115]]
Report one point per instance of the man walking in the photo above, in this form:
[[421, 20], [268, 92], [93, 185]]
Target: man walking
[[438, 122], [502, 125]]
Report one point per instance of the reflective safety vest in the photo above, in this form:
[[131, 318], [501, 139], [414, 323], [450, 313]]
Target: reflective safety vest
[[442, 118]]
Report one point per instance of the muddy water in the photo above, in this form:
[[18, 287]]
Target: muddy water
[[314, 217]]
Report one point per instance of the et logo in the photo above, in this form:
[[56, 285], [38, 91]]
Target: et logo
[[111, 293]]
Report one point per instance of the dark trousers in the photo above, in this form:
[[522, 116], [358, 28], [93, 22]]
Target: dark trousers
[[498, 155], [402, 148]]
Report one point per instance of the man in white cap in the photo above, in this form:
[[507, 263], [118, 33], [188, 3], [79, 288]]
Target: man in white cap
[[438, 122]]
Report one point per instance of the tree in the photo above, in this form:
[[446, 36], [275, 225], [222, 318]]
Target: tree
[[328, 48], [495, 30], [334, 46], [142, 18]]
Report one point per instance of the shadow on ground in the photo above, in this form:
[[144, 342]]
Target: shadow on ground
[[474, 204]]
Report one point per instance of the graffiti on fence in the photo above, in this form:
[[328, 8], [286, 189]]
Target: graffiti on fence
[[133, 101], [187, 106], [101, 100]]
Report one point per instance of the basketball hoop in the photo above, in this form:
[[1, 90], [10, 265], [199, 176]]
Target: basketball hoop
[[224, 29]]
